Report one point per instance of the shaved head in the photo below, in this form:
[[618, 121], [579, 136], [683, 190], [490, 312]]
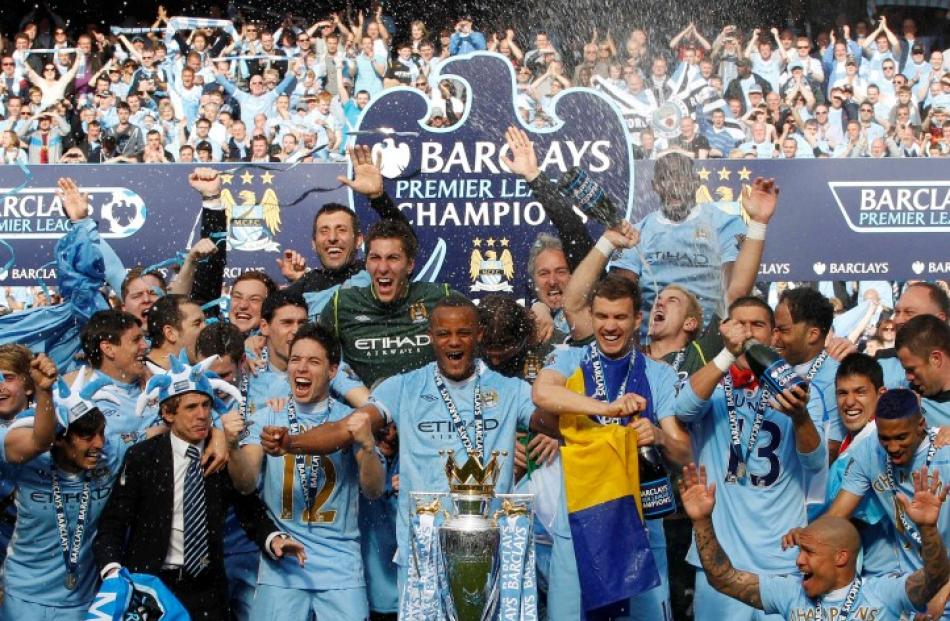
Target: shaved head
[[836, 532]]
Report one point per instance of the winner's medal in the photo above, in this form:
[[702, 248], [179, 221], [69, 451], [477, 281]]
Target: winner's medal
[[71, 581]]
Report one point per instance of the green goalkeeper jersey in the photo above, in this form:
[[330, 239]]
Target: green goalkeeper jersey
[[379, 339]]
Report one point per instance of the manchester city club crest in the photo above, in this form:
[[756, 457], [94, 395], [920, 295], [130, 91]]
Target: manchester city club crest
[[418, 312], [252, 222], [494, 270]]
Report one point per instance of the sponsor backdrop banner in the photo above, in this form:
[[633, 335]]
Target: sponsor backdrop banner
[[838, 219]]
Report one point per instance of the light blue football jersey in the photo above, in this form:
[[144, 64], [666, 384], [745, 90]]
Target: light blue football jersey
[[867, 475], [329, 528], [34, 569], [752, 514], [413, 402], [880, 598], [690, 253], [936, 411], [122, 423]]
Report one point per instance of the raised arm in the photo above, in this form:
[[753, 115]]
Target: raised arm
[[924, 510], [586, 275], [753, 42], [760, 204], [675, 41], [24, 443], [699, 499]]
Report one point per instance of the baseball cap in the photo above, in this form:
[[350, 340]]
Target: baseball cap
[[792, 66], [755, 88], [743, 62], [917, 49]]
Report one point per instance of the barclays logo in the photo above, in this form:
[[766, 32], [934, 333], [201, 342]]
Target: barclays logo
[[394, 158], [894, 206], [37, 213]]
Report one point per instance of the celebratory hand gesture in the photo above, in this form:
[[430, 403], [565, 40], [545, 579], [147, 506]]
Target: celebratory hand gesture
[[367, 175], [629, 404], [358, 424], [293, 265], [624, 235], [75, 203], [234, 425], [761, 200], [525, 162], [697, 497], [43, 372], [274, 440], [924, 508], [206, 181], [734, 336]]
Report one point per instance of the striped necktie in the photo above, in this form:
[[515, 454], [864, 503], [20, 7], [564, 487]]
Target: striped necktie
[[195, 519]]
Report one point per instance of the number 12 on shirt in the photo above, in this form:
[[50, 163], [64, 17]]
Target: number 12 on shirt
[[311, 514]]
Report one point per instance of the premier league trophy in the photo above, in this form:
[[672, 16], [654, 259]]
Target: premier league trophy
[[469, 538], [471, 563]]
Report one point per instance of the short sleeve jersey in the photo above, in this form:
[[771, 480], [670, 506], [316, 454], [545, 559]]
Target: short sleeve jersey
[[414, 403], [329, 527], [773, 493], [881, 599], [379, 339], [867, 474], [690, 253], [34, 569]]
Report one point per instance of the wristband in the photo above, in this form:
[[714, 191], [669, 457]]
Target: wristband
[[724, 360], [212, 202], [605, 246], [755, 230]]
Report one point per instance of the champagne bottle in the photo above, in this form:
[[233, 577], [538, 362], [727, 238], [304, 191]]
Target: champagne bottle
[[577, 186], [773, 371], [656, 488]]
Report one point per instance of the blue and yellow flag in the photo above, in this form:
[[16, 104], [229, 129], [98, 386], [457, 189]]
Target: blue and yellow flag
[[602, 483]]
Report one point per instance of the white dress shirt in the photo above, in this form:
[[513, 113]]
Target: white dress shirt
[[175, 557]]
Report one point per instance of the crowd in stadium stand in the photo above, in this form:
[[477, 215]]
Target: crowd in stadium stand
[[293, 90], [247, 450]]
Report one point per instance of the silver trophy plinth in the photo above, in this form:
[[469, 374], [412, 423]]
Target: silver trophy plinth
[[469, 540]]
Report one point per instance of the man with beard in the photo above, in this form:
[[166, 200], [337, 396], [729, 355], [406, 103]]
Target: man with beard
[[676, 333], [337, 237], [609, 365], [923, 348], [447, 394], [684, 242]]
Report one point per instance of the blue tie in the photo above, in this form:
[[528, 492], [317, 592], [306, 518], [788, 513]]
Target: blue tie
[[196, 524]]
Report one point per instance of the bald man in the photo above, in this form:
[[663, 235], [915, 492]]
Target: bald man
[[829, 587]]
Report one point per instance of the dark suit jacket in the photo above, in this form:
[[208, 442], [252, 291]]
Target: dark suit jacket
[[135, 525]]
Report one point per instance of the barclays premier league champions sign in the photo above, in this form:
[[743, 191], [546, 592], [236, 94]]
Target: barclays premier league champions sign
[[476, 220], [854, 219]]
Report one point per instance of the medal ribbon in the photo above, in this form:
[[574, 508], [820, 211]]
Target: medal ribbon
[[909, 529], [70, 553], [845, 611], [600, 385], [460, 427], [308, 485], [737, 470]]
